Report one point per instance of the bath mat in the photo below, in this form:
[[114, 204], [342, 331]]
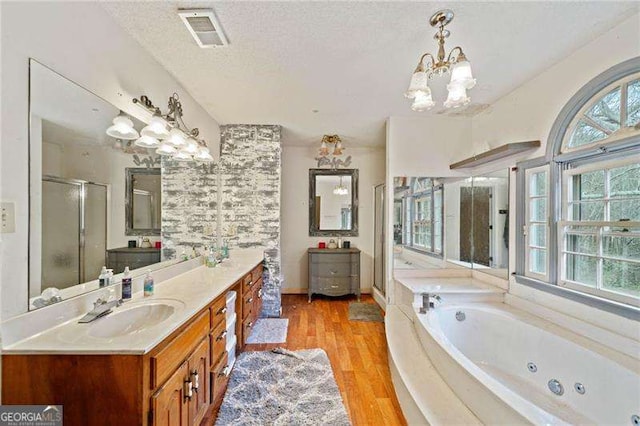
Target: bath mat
[[365, 312], [269, 330], [282, 387]]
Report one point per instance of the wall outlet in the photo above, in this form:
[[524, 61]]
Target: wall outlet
[[8, 217]]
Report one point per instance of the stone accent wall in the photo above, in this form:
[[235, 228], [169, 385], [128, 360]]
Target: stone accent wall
[[247, 181], [250, 173]]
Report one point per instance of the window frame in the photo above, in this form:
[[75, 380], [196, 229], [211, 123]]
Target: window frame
[[561, 161], [409, 212], [527, 233]]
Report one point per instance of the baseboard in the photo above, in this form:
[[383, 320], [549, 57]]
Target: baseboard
[[293, 290]]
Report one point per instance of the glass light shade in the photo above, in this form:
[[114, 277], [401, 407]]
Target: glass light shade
[[176, 137], [157, 128], [324, 150], [147, 142], [461, 74], [166, 148], [191, 146], [457, 96], [419, 83], [203, 155], [182, 156], [338, 148], [122, 128], [422, 101]]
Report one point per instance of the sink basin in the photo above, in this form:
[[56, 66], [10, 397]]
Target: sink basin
[[134, 318]]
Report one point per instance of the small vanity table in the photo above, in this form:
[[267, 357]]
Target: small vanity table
[[334, 272], [133, 257]]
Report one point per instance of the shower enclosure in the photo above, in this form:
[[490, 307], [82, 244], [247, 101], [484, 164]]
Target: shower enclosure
[[74, 231], [378, 232]]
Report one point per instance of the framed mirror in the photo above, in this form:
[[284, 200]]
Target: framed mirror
[[82, 181], [143, 201], [333, 202]]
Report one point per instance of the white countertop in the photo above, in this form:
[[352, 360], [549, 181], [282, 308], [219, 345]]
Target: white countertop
[[447, 285], [188, 293]]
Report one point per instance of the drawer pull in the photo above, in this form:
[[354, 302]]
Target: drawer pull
[[249, 300], [333, 272], [260, 294], [222, 311], [222, 335], [224, 372], [250, 324], [250, 283], [195, 381], [188, 389], [335, 286]]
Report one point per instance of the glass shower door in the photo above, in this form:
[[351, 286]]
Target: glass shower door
[[94, 231]]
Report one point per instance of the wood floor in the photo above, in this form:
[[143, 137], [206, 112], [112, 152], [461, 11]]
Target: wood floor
[[357, 350]]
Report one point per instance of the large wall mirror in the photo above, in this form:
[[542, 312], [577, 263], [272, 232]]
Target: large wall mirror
[[79, 183], [333, 202], [452, 222]]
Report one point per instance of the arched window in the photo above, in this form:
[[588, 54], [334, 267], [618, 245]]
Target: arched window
[[581, 204]]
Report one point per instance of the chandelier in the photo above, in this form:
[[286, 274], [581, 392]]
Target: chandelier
[[331, 140], [340, 189], [166, 133], [456, 63]]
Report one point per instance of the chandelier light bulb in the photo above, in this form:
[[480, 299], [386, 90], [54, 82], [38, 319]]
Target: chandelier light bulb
[[166, 148], [203, 155], [191, 146], [157, 128], [176, 137], [461, 74], [122, 128], [422, 101], [183, 155], [145, 141], [419, 82], [457, 96]]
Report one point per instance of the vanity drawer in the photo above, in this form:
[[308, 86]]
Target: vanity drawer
[[247, 282], [331, 270], [165, 362], [331, 285], [247, 303], [219, 379], [328, 257], [218, 341], [218, 311], [256, 274]]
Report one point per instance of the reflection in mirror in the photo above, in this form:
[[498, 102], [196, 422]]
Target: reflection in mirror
[[144, 201], [77, 189], [333, 202], [418, 222]]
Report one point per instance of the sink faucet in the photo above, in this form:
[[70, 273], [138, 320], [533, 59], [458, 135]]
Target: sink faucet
[[429, 301], [100, 308]]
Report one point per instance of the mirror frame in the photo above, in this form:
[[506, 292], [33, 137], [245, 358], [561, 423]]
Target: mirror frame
[[314, 231], [128, 209]]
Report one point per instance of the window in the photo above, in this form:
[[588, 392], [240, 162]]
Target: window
[[422, 206], [600, 245], [581, 218], [537, 222]]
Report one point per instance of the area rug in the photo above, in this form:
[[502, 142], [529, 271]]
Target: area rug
[[282, 387], [365, 312], [269, 330]]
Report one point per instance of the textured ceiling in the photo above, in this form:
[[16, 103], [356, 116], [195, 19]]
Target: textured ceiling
[[351, 61]]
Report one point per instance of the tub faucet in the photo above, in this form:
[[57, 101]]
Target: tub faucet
[[429, 301]]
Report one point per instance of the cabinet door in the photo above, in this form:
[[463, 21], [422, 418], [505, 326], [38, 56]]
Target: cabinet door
[[199, 376], [170, 403]]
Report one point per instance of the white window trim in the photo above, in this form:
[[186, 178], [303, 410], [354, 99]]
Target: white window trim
[[545, 168], [623, 132], [567, 176]]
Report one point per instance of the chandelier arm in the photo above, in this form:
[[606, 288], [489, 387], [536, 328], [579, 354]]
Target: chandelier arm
[[459, 56], [433, 60]]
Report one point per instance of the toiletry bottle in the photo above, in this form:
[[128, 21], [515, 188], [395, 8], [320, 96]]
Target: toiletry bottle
[[225, 249], [110, 273], [103, 279], [211, 259], [148, 284], [126, 284]]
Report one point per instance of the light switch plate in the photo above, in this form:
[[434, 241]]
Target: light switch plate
[[8, 218]]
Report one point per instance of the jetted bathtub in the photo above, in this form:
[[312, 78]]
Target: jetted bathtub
[[510, 367]]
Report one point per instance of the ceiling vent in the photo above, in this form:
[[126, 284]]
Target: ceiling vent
[[204, 27]]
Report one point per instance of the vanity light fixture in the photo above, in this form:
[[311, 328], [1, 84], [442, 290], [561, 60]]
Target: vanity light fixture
[[122, 128], [456, 63], [172, 137], [331, 140]]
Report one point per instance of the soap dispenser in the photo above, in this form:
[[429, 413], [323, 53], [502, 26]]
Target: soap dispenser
[[148, 284], [103, 279]]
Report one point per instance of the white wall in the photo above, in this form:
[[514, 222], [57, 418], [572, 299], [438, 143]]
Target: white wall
[[83, 43], [421, 146], [296, 162]]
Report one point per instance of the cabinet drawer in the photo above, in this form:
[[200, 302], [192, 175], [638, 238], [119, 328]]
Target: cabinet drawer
[[332, 269], [328, 284], [247, 282], [218, 339], [256, 274], [218, 311], [331, 257], [247, 326], [165, 362], [247, 303], [219, 380]]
